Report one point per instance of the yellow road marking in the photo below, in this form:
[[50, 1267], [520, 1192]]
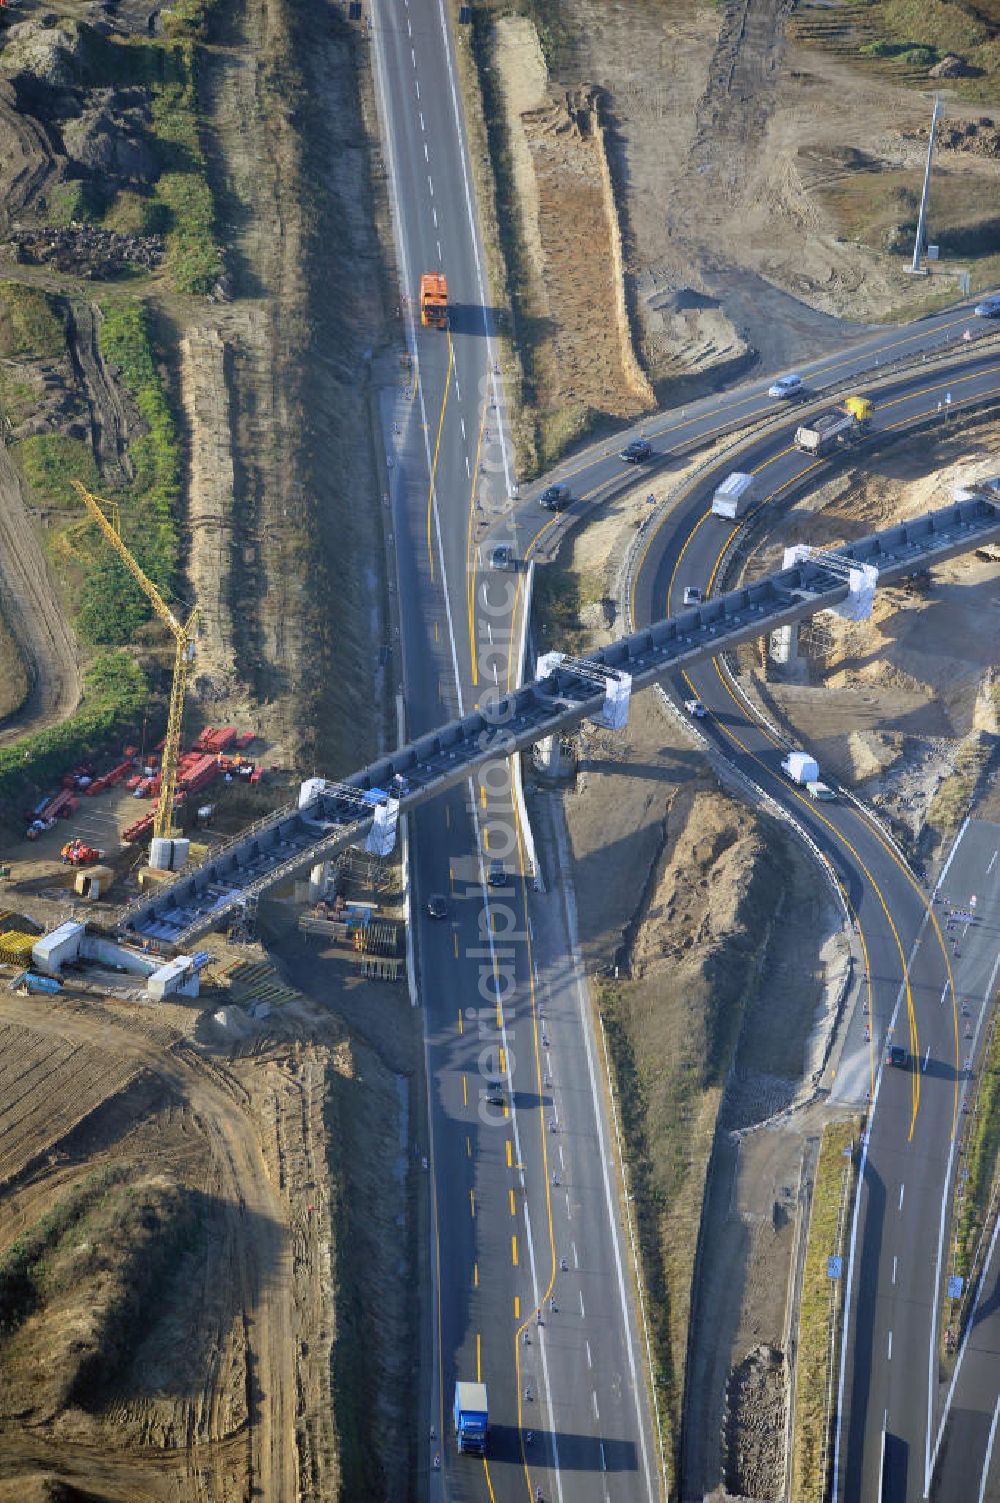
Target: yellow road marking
[[465, 1091], [468, 1147], [513, 1207], [517, 1307], [503, 1061], [510, 1154], [437, 634], [475, 1275], [482, 796], [454, 942], [470, 552], [437, 450], [513, 1248], [472, 1203], [479, 1361], [461, 1025]]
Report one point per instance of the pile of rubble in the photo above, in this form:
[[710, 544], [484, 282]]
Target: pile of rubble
[[85, 250]]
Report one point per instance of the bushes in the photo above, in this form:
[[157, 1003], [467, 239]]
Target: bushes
[[115, 693], [28, 323]]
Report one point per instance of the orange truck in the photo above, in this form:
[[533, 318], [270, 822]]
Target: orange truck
[[433, 300]]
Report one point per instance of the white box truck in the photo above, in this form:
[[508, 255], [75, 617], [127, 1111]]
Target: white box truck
[[733, 496], [801, 768]]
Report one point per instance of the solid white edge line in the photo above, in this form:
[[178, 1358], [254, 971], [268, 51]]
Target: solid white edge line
[[989, 1452], [610, 1201], [849, 1286], [930, 1461], [463, 154]]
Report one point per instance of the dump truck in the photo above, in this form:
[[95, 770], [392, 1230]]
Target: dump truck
[[844, 424], [471, 1413], [733, 497], [801, 768], [434, 300]]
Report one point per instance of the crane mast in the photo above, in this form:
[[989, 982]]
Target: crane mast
[[108, 518]]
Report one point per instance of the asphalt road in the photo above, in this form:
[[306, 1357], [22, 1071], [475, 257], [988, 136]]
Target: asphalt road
[[526, 1221], [907, 1160], [893, 1272], [509, 1238]]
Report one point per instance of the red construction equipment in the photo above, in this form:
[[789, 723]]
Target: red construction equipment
[[76, 853]]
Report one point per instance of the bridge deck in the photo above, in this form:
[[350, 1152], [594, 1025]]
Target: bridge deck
[[338, 815]]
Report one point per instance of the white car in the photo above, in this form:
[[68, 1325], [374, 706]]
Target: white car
[[786, 386], [692, 595], [695, 708]]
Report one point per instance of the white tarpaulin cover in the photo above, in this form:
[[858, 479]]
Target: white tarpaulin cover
[[382, 836], [617, 693]]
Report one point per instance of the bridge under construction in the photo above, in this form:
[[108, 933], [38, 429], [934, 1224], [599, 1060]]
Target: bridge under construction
[[330, 816]]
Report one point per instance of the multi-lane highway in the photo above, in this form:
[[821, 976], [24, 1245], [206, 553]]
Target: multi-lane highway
[[532, 1290]]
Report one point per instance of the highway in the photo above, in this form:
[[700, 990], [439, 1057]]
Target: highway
[[910, 987], [532, 1291], [524, 1202]]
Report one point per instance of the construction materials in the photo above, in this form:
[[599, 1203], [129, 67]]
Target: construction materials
[[844, 424], [92, 882], [109, 521], [76, 853], [471, 1418], [801, 768], [433, 300], [16, 947], [27, 983], [734, 496]]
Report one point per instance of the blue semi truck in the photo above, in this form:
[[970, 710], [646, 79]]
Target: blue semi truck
[[471, 1413]]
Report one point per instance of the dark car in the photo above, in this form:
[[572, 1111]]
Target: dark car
[[502, 557], [988, 308], [497, 874], [555, 497], [895, 1055], [635, 452], [496, 1098], [437, 906]]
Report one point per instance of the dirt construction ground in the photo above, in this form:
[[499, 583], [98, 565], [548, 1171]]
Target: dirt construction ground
[[766, 175], [174, 1270]]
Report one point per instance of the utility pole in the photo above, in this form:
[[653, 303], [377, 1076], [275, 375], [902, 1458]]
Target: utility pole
[[919, 245]]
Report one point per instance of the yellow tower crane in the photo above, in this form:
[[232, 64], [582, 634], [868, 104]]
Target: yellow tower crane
[[108, 519]]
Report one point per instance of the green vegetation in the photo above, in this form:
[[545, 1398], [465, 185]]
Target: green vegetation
[[115, 693], [50, 461], [820, 1306], [182, 193], [26, 1268], [950, 803], [671, 1043], [14, 683], [29, 324], [980, 1160], [560, 595], [188, 18]]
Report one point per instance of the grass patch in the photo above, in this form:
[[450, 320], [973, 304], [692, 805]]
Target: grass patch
[[980, 1160], [13, 674], [188, 18], [28, 1267], [819, 1308], [29, 324], [671, 1039], [114, 694], [182, 194], [50, 461], [560, 596], [953, 798]]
